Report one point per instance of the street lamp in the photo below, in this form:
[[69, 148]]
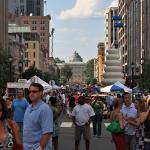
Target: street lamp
[[132, 73], [10, 68]]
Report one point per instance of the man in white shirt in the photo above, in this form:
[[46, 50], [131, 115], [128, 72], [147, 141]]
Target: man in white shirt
[[129, 112], [81, 116]]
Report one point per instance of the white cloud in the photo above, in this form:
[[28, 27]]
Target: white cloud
[[114, 4], [82, 9]]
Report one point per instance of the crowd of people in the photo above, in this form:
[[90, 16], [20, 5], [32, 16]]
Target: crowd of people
[[33, 123]]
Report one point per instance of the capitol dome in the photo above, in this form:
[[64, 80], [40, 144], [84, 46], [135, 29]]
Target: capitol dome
[[75, 58]]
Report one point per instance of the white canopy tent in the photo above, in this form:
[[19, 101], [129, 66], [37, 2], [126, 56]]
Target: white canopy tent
[[106, 89], [36, 79]]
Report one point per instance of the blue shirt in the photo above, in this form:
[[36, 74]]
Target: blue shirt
[[38, 120], [19, 107], [129, 112]]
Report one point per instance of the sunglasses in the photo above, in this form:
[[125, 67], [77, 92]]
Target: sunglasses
[[34, 91]]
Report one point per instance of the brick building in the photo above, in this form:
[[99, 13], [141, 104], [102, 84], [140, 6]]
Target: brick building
[[39, 24]]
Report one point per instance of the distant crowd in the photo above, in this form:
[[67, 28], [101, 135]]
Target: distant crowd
[[32, 123]]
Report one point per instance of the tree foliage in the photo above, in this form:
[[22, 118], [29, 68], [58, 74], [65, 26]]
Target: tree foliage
[[57, 60], [89, 69], [32, 71], [53, 74], [5, 68], [66, 72]]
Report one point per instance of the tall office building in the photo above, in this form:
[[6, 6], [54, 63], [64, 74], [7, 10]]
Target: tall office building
[[35, 7], [146, 30], [122, 33], [134, 34], [26, 7], [3, 24], [17, 7], [111, 34]]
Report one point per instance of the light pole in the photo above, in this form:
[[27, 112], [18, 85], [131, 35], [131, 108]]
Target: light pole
[[10, 68], [132, 74], [132, 77]]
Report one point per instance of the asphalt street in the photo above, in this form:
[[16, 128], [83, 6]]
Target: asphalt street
[[66, 139]]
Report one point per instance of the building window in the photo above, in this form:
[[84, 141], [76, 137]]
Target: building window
[[21, 1], [26, 54], [26, 44], [42, 22], [34, 45], [42, 34], [34, 63], [42, 28], [26, 22], [38, 11], [34, 55], [33, 28], [38, 2], [26, 64], [33, 22], [22, 10]]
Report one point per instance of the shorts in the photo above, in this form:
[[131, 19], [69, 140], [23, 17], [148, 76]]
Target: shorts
[[85, 130]]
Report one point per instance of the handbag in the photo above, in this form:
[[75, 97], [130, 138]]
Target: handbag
[[114, 127], [17, 146]]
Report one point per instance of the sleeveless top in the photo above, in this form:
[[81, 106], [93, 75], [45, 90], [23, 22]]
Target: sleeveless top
[[7, 144], [147, 127]]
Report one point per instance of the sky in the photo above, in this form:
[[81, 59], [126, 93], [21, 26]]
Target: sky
[[79, 26]]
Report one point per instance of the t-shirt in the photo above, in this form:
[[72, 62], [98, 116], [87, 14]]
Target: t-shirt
[[82, 114], [98, 108], [19, 107]]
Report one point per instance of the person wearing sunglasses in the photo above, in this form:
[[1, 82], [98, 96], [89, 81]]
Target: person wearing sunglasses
[[38, 121], [9, 133]]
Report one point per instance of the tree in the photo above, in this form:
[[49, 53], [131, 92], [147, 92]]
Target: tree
[[66, 73], [57, 60], [89, 69], [89, 72], [32, 71], [5, 68]]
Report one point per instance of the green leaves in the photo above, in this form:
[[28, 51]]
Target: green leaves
[[89, 72], [66, 73]]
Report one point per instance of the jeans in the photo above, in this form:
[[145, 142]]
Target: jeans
[[97, 123], [130, 142], [146, 145]]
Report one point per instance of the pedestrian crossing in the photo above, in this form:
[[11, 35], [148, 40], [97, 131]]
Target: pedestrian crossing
[[70, 125]]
